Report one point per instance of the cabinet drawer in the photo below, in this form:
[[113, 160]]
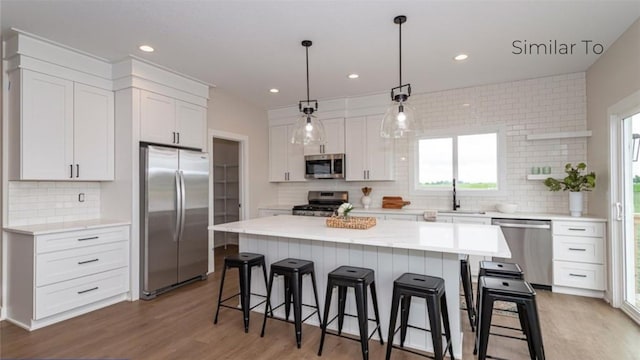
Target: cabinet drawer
[[82, 238], [578, 248], [65, 265], [579, 228], [67, 295], [578, 275]]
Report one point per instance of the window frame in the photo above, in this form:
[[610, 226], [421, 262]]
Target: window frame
[[454, 133]]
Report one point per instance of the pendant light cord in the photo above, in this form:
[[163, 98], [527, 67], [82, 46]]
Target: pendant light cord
[[307, 51], [400, 52]]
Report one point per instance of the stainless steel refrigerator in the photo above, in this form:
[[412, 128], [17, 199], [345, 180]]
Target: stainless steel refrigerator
[[174, 195]]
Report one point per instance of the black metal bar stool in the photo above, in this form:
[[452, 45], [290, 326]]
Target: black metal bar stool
[[432, 290], [522, 294], [244, 262], [500, 270], [293, 270], [357, 278], [467, 288]]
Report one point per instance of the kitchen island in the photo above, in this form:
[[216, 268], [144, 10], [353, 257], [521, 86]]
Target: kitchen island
[[390, 248]]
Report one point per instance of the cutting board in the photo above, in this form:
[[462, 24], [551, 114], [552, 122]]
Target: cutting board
[[394, 202]]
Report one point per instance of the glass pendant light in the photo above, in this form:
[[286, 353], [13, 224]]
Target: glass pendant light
[[308, 129], [399, 120]]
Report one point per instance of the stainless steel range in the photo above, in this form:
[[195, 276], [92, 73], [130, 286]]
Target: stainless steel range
[[321, 203]]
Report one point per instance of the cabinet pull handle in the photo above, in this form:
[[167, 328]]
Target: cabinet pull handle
[[577, 275], [577, 249], [87, 261], [77, 170], [71, 171], [577, 229], [178, 138], [89, 238], [86, 291], [174, 137]]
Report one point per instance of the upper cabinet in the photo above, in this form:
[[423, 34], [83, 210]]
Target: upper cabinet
[[59, 129], [165, 120], [286, 160], [334, 129], [368, 156]]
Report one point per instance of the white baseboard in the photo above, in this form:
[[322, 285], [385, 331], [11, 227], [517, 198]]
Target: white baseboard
[[580, 292]]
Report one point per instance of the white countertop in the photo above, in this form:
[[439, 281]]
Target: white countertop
[[41, 229], [472, 239]]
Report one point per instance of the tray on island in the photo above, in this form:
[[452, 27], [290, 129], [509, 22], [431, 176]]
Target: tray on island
[[351, 222]]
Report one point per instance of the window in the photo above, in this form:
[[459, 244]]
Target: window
[[473, 159]]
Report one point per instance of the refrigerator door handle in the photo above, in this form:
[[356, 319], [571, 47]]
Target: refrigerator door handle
[[183, 205], [178, 205]]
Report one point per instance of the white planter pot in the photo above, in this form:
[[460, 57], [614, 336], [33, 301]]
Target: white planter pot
[[366, 201], [575, 203]]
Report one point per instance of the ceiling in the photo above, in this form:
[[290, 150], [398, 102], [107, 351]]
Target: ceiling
[[245, 48]]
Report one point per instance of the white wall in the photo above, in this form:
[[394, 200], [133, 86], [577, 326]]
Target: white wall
[[230, 114], [613, 77], [542, 105]]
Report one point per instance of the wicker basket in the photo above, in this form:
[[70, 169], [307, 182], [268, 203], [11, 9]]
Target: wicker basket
[[351, 222]]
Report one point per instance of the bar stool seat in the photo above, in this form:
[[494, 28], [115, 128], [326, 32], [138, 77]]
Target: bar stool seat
[[293, 270], [501, 270], [243, 262], [431, 289], [522, 294], [357, 278]]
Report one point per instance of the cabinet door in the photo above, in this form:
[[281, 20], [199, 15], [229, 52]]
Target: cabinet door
[[191, 125], [355, 148], [46, 128], [379, 151], [278, 148], [334, 130], [93, 150], [295, 158], [157, 118]]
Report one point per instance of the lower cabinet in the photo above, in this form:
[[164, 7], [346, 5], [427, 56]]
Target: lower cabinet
[[56, 276], [578, 257]]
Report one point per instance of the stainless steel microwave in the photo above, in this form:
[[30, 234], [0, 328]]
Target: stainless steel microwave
[[325, 166]]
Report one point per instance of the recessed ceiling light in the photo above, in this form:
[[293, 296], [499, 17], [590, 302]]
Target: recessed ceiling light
[[353, 76], [461, 57], [274, 91], [146, 48], [466, 104]]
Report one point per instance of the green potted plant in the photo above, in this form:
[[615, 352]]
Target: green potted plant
[[575, 182]]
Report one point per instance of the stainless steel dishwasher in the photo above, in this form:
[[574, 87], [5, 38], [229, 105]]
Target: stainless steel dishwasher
[[530, 242]]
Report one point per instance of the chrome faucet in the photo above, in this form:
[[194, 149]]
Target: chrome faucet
[[456, 204]]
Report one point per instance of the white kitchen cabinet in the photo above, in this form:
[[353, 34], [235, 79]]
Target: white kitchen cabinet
[[165, 120], [578, 257], [368, 155], [286, 160], [55, 276], [334, 129], [60, 130]]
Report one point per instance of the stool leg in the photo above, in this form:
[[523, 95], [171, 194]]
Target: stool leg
[[534, 328], [361, 304], [435, 323], [484, 326], [522, 316], [296, 286], [445, 321], [374, 298], [315, 295], [404, 317], [342, 302], [245, 294], [264, 273], [467, 287], [287, 297], [395, 303], [327, 306], [268, 305], [224, 271]]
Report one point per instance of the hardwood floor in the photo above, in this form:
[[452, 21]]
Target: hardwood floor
[[178, 325]]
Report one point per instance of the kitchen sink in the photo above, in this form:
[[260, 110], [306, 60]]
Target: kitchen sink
[[468, 212]]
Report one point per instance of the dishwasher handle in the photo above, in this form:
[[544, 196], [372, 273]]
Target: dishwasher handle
[[521, 226]]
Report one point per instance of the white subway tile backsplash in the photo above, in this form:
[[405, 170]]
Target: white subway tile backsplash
[[541, 105], [41, 202]]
